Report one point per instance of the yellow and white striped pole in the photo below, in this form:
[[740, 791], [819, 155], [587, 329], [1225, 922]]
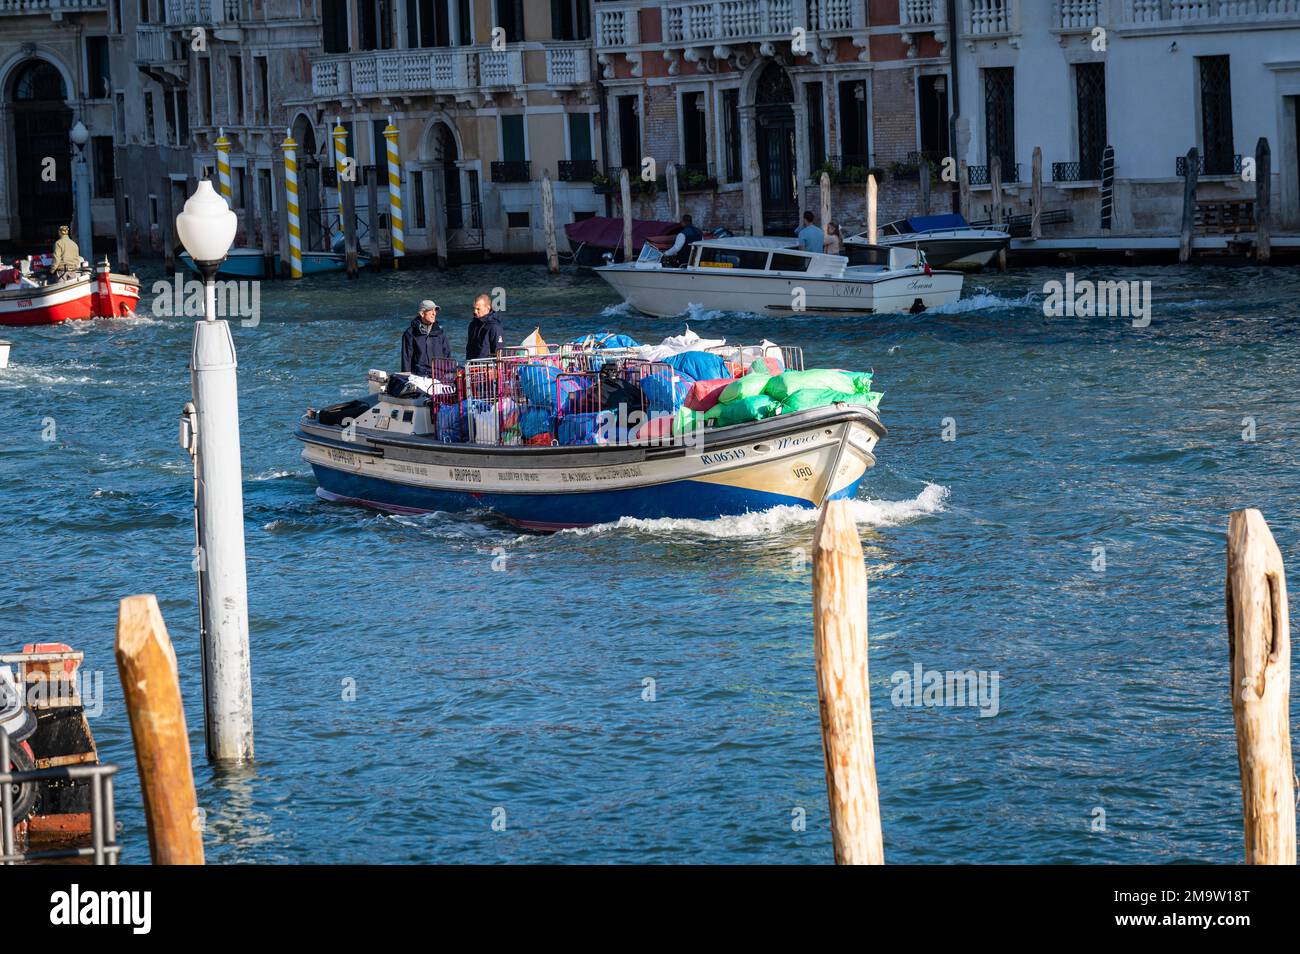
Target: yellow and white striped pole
[[291, 204], [394, 192], [340, 163], [223, 167]]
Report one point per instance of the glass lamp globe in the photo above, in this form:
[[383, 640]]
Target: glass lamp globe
[[78, 134], [206, 226]]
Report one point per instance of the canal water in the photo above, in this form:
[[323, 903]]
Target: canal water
[[1048, 511]]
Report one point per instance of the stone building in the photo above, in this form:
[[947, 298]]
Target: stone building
[[54, 72], [1150, 78], [487, 96], [754, 99]]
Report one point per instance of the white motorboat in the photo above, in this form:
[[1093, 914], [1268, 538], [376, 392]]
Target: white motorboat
[[944, 240], [773, 276]]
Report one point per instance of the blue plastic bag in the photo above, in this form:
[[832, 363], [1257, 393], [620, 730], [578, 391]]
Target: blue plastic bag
[[699, 365]]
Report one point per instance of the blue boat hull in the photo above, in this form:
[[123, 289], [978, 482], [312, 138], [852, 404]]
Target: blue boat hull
[[683, 499], [247, 263]]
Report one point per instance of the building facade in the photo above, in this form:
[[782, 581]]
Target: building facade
[[1150, 78]]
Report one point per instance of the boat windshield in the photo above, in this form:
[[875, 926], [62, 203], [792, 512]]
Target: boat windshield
[[650, 256]]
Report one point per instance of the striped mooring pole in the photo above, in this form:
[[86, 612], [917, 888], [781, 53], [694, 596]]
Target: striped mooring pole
[[394, 192], [291, 204], [223, 167], [340, 164]]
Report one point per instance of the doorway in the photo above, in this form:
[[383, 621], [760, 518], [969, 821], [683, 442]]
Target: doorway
[[774, 113], [932, 107], [445, 152], [42, 121]]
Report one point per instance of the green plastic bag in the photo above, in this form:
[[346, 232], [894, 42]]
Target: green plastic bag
[[782, 385], [746, 409], [806, 398], [685, 421], [751, 385]]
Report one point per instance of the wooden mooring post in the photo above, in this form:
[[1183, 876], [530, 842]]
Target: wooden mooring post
[[963, 190], [1263, 196], [843, 687], [1189, 206], [756, 199], [674, 193], [264, 187], [1036, 196], [871, 209], [119, 215], [372, 215], [1259, 650], [146, 663], [548, 224], [824, 194], [625, 196], [923, 183], [167, 224], [995, 200], [349, 188]]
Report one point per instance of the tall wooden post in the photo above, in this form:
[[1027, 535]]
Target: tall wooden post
[[824, 193], [995, 200], [963, 189], [923, 184], [372, 214], [348, 189], [625, 196], [281, 213], [268, 226], [843, 687], [871, 209], [1036, 196], [1263, 196], [119, 213], [754, 190], [548, 222], [146, 663], [1189, 206], [1107, 187], [1259, 648], [167, 224], [674, 193]]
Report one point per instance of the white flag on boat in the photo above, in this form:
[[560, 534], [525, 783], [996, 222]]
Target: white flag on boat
[[535, 344]]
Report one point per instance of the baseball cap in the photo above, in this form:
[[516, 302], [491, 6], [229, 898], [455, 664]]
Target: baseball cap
[[427, 305]]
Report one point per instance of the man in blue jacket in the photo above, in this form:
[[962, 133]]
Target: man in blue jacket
[[424, 342], [486, 336]]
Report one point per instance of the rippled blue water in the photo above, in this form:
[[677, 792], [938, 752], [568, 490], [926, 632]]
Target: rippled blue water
[[522, 689]]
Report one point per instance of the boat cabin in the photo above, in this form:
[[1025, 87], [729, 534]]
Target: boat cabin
[[779, 255]]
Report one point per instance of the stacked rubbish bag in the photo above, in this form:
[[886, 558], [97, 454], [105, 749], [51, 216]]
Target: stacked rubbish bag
[[679, 386], [766, 390]]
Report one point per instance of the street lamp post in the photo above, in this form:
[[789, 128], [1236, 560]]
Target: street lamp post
[[81, 188], [206, 228]]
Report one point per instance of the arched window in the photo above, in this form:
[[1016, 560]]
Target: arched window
[[774, 86], [39, 80]]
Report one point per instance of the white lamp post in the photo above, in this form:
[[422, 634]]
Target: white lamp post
[[206, 228], [79, 136]]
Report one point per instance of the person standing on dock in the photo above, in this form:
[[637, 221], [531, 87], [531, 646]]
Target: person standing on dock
[[810, 236], [424, 342], [486, 336]]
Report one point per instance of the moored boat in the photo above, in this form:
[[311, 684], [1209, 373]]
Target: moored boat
[[945, 240], [772, 276], [36, 300], [251, 263], [392, 452]]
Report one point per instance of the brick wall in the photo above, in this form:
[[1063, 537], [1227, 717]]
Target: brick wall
[[893, 103]]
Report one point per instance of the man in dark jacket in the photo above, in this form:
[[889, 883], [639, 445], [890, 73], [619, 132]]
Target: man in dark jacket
[[424, 342], [486, 336]]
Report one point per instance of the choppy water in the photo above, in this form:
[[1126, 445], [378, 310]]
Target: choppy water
[[522, 689]]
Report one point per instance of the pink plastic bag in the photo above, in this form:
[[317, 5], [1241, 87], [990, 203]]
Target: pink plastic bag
[[705, 394]]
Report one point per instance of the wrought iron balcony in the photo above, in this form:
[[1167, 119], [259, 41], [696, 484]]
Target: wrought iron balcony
[[979, 175], [1218, 167], [511, 171], [577, 170]]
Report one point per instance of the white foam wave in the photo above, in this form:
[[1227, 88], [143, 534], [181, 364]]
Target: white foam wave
[[621, 310], [767, 523], [984, 301]]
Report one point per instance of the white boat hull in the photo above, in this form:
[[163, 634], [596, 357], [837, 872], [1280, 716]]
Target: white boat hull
[[667, 292]]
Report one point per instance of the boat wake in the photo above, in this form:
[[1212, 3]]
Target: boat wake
[[986, 301], [867, 512]]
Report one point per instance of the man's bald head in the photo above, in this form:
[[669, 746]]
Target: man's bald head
[[482, 306]]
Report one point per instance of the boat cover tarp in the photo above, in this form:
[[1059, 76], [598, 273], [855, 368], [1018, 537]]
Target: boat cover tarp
[[928, 223], [603, 232]]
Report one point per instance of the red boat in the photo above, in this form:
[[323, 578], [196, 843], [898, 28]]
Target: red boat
[[102, 294]]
